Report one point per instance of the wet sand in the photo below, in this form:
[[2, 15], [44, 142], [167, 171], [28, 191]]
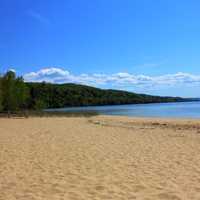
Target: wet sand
[[99, 158]]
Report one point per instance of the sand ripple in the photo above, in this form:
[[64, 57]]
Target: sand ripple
[[99, 158]]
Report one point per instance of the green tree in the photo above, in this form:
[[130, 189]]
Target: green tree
[[39, 104], [14, 93], [8, 91], [22, 94]]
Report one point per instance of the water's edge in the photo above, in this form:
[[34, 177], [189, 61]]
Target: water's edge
[[163, 110]]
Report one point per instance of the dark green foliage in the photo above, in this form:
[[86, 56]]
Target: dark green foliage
[[22, 93], [45, 95], [14, 92], [15, 95], [8, 91]]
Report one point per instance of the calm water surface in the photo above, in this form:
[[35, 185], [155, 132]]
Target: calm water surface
[[169, 110]]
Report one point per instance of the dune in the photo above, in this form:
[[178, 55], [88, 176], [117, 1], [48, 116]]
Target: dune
[[99, 158]]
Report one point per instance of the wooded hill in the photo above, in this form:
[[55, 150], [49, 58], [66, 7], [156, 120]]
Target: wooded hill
[[64, 95], [17, 95]]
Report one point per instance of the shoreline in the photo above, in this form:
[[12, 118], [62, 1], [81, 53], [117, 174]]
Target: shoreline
[[103, 116]]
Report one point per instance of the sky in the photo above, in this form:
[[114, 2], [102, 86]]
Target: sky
[[144, 46]]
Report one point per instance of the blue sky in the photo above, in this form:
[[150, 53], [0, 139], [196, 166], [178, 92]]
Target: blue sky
[[146, 46]]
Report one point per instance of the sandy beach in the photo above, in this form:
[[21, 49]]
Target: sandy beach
[[99, 158]]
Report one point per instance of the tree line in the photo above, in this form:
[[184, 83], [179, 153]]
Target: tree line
[[14, 93], [17, 95]]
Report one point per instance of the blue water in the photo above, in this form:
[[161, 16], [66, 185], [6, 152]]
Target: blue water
[[165, 110]]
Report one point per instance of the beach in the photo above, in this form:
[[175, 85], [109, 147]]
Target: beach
[[99, 158]]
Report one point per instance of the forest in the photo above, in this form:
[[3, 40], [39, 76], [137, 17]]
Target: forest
[[17, 95]]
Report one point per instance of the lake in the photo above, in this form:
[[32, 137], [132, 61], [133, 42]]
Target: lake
[[165, 110]]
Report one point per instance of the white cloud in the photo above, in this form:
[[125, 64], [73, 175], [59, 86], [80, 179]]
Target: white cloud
[[121, 79], [12, 70]]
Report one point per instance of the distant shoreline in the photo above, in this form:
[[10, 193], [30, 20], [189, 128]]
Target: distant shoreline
[[89, 111]]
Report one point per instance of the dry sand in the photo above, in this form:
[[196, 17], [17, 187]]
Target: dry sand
[[99, 158]]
